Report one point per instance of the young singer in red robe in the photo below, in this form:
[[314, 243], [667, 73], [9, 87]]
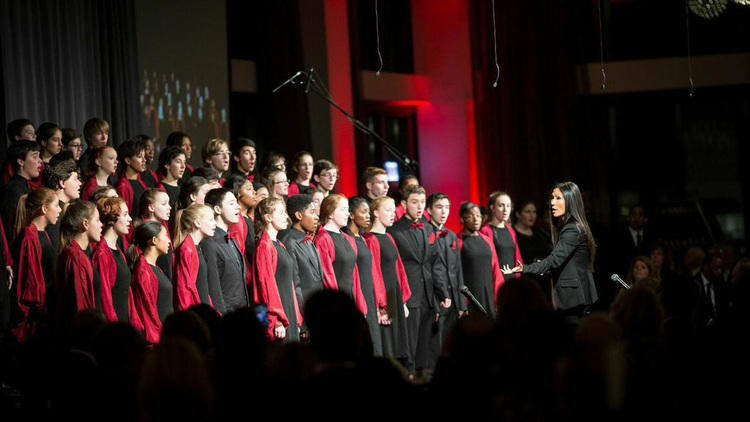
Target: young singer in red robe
[[109, 259], [35, 259], [338, 251], [130, 187], [273, 270], [499, 229], [154, 206], [190, 272], [370, 277], [389, 267], [101, 169], [152, 290], [76, 288], [302, 165], [478, 260]]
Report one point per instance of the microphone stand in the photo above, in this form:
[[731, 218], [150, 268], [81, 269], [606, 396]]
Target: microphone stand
[[321, 91], [466, 292]]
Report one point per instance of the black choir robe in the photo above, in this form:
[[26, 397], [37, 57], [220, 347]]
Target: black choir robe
[[308, 269]]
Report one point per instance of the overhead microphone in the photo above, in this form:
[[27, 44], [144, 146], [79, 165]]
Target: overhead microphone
[[616, 278]]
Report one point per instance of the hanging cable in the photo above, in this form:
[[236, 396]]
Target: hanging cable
[[601, 47], [377, 38], [494, 35], [689, 55]]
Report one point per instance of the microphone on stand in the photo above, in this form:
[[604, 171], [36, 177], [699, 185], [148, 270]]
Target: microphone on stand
[[288, 81], [466, 292], [309, 78], [616, 278]]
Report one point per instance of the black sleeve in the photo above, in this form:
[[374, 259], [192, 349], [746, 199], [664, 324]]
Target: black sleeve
[[460, 277], [213, 277], [566, 246], [440, 267]]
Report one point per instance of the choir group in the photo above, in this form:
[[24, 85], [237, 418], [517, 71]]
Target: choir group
[[98, 229]]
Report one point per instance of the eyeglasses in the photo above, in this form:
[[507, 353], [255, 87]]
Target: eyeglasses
[[224, 153], [329, 176], [282, 181], [75, 146]]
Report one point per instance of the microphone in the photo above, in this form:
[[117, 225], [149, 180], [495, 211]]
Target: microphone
[[466, 292], [290, 80], [616, 278], [309, 78]]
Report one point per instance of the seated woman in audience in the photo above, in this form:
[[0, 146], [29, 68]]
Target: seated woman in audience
[[325, 174], [303, 169], [34, 258], [370, 276], [77, 285], [661, 258], [533, 244], [154, 206], [338, 250], [193, 224], [109, 259], [72, 142], [171, 169], [482, 274], [641, 268], [130, 186], [152, 290], [389, 268], [277, 183], [102, 168], [49, 137], [182, 140], [273, 268], [499, 230]]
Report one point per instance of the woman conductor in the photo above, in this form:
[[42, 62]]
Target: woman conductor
[[572, 257]]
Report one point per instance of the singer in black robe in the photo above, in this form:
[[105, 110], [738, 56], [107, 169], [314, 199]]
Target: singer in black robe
[[481, 271], [364, 265]]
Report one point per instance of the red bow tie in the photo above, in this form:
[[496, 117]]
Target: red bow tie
[[308, 238], [443, 233], [251, 177], [419, 226]]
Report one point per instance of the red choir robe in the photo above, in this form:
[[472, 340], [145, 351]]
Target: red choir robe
[[75, 284], [30, 287], [327, 252], [294, 188], [487, 231], [125, 191], [145, 289], [374, 246], [184, 274], [497, 275], [239, 233], [88, 188], [266, 290], [104, 262], [5, 246]]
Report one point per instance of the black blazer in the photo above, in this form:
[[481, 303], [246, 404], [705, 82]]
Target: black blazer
[[308, 271], [569, 262], [447, 272], [418, 261]]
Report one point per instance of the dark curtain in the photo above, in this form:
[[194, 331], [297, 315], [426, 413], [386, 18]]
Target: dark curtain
[[66, 61], [529, 134]]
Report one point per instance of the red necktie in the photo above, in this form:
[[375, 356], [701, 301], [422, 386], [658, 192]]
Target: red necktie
[[419, 226], [443, 233]]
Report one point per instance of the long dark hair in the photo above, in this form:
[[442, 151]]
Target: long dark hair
[[141, 239], [574, 213]]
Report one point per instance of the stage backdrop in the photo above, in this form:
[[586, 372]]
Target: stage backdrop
[[182, 56]]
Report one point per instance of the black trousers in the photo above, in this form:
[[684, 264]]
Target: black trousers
[[420, 325]]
